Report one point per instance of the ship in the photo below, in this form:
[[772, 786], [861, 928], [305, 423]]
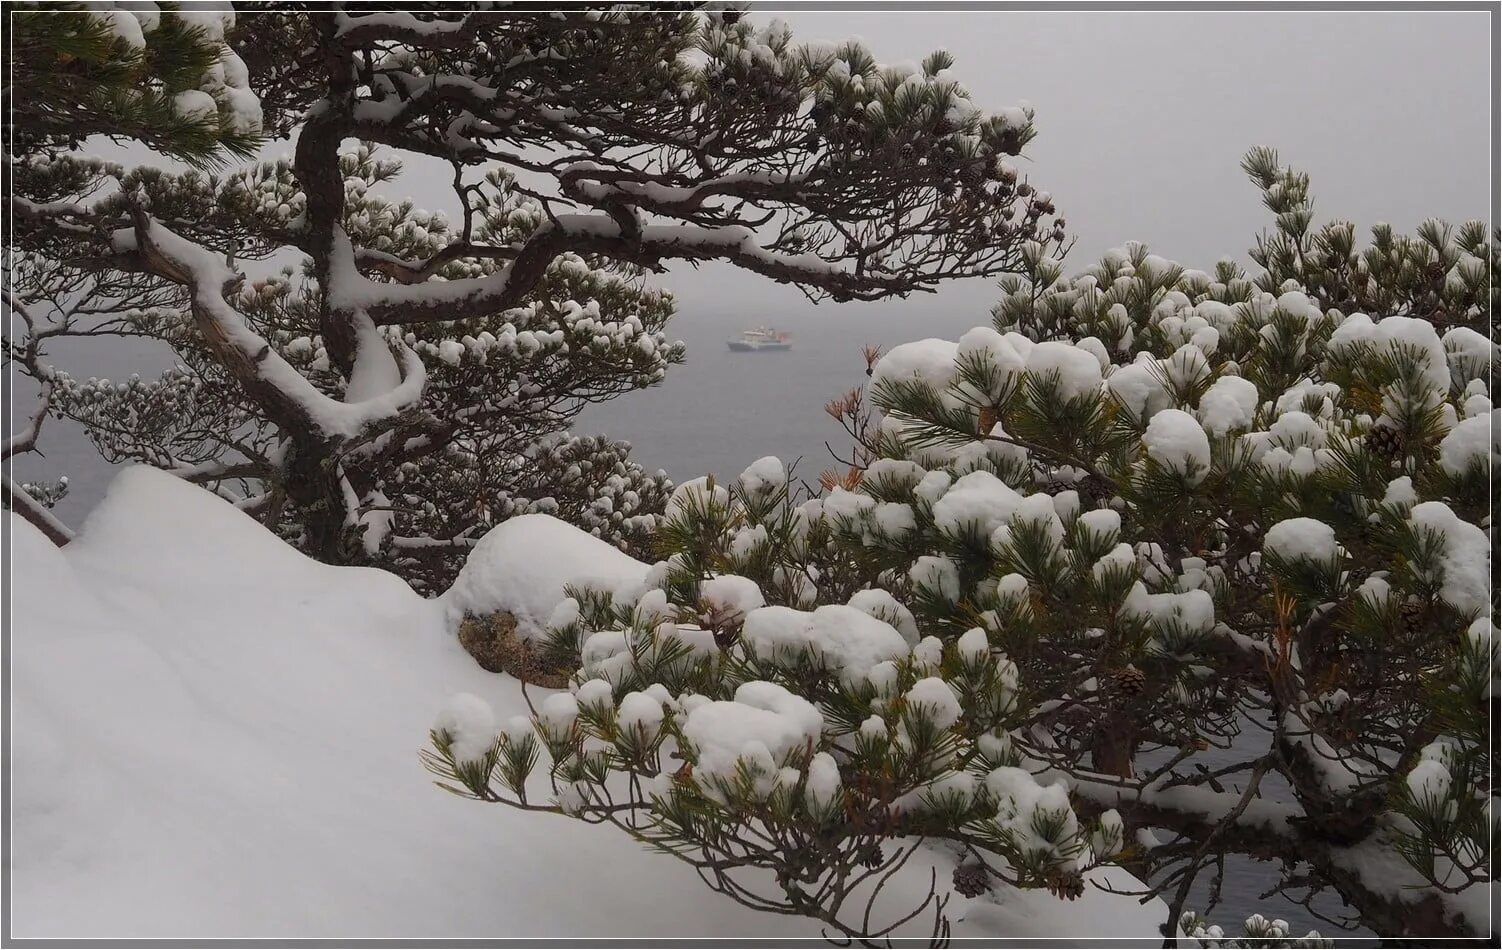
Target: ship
[[761, 338]]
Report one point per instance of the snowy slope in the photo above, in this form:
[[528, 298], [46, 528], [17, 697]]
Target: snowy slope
[[214, 736]]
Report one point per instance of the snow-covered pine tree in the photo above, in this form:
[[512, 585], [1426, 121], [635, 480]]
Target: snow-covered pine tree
[[165, 80], [1149, 592], [408, 385], [504, 395]]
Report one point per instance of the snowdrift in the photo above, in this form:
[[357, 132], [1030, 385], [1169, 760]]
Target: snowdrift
[[215, 737]]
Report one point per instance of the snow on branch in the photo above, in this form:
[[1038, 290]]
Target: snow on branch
[[1186, 807], [430, 301], [404, 28], [297, 402], [17, 499], [700, 137]]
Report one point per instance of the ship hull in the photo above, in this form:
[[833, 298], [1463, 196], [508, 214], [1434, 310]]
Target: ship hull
[[741, 346]]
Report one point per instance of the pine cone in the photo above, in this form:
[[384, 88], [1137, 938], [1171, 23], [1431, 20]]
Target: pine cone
[[1411, 614], [1385, 440], [1065, 885], [872, 856], [970, 880], [1128, 680], [987, 421]]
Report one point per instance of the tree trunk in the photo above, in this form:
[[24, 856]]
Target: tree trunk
[[312, 481], [1115, 744]]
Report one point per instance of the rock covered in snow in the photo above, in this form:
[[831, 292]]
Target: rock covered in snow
[[522, 565]]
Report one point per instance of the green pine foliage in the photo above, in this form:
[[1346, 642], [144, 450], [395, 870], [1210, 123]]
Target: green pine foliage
[[73, 74], [1208, 516]]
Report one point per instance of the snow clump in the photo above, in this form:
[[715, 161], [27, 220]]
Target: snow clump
[[1301, 539], [1178, 443]]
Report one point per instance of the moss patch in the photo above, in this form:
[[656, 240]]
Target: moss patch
[[493, 642]]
